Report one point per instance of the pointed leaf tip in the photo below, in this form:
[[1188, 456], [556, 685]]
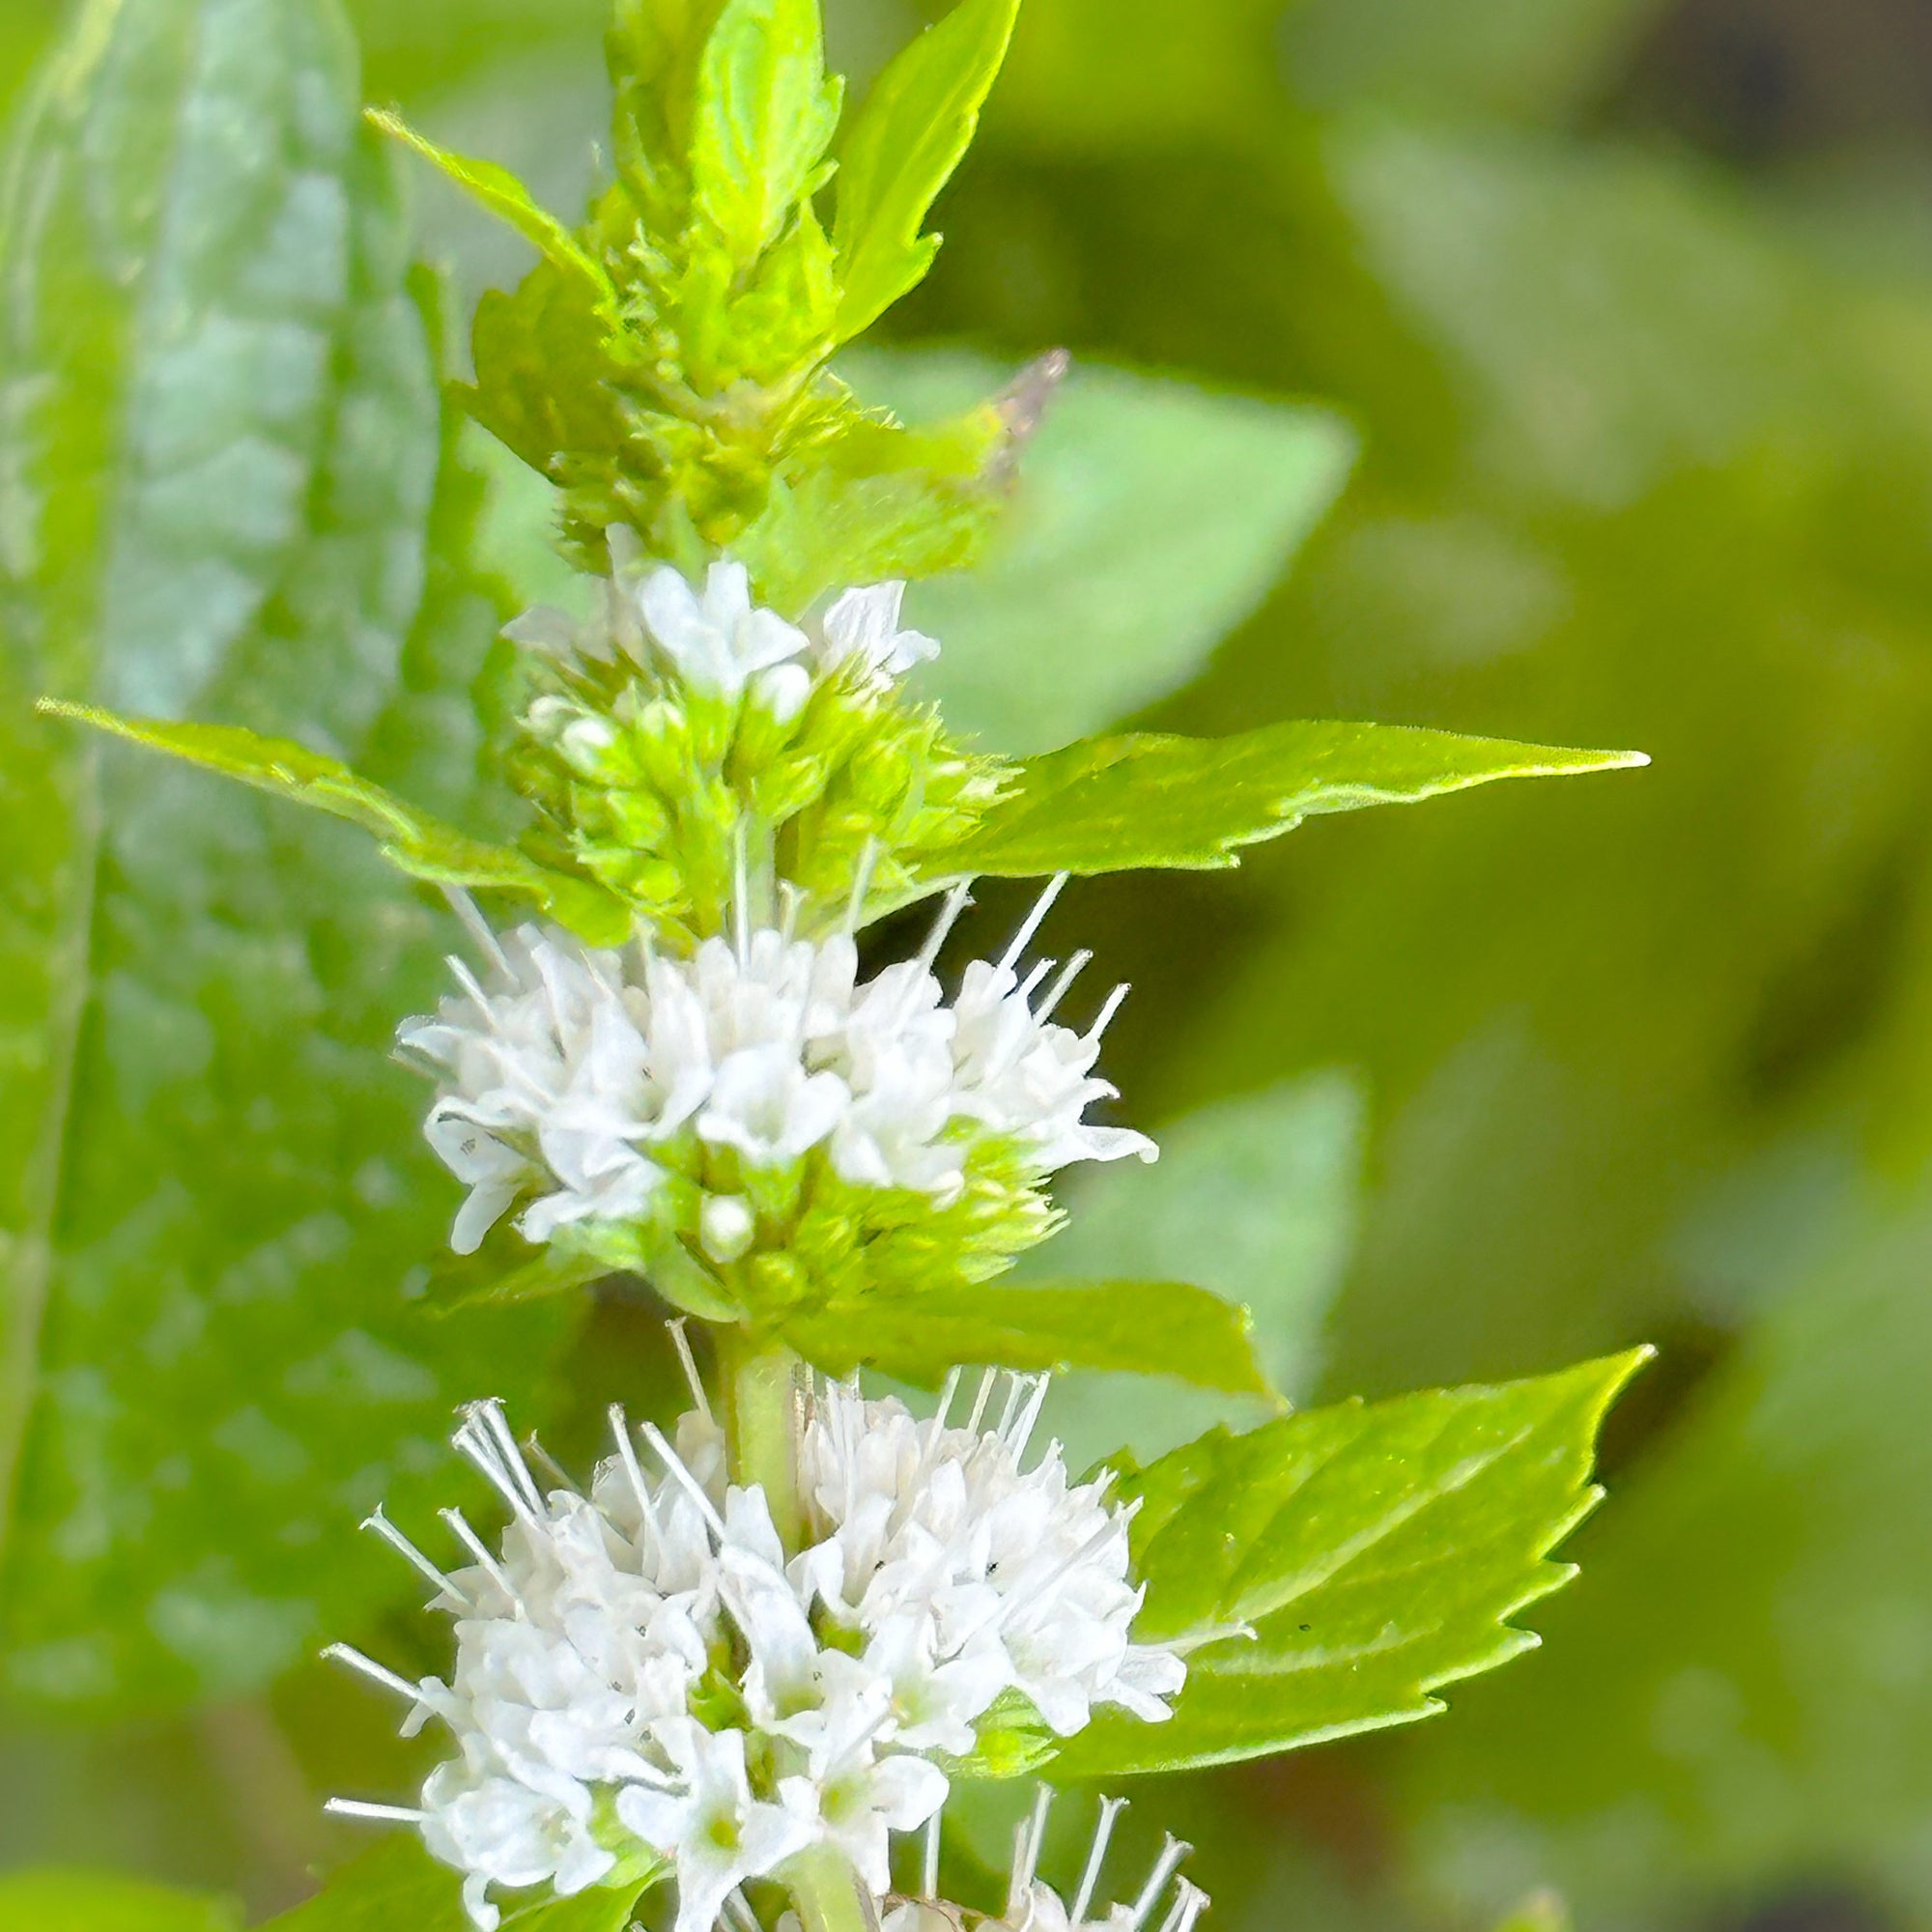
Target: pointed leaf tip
[[1148, 800]]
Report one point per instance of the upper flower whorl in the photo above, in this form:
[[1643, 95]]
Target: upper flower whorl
[[586, 1081]]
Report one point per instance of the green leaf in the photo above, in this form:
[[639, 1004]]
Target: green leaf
[[397, 1886], [506, 1268], [1375, 1553], [541, 370], [1256, 1198], [410, 840], [1115, 804], [224, 447], [902, 148], [1149, 1327], [1148, 517], [79, 1901], [764, 117], [505, 196]]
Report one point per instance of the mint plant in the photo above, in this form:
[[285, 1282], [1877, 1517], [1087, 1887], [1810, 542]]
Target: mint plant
[[751, 1655]]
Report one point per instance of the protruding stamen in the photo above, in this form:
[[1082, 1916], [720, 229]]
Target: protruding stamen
[[1056, 992], [948, 1389], [955, 902], [1030, 985], [478, 928], [1199, 1639], [928, 1878], [620, 1430], [478, 1549], [389, 1814], [980, 1400], [547, 1462], [377, 1673], [1097, 1856], [1028, 1417], [473, 987], [1189, 1903], [1010, 1608], [1171, 1854], [685, 1480], [1027, 1842], [1106, 1018], [861, 884], [485, 1439], [681, 1342], [411, 1554], [1033, 921], [1016, 1387]]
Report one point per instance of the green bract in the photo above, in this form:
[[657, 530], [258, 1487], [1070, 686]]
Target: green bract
[[665, 365]]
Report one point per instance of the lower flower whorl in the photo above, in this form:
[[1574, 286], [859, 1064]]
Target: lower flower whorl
[[646, 1677]]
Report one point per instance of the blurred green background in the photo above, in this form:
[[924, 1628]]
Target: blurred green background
[[1628, 307]]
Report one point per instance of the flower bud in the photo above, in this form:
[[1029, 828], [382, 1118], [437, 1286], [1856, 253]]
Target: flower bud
[[726, 1227]]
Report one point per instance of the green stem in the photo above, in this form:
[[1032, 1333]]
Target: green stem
[[762, 1386], [830, 1896]]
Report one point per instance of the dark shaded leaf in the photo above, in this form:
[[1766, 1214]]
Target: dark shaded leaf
[[228, 492]]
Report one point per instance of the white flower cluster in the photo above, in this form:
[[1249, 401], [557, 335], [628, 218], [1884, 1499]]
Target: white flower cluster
[[1033, 1905], [571, 1078], [719, 642], [646, 1669]]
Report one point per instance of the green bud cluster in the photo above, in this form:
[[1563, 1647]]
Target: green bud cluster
[[676, 800], [729, 1242]]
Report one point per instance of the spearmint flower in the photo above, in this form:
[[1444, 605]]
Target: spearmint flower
[[862, 629], [759, 1100], [646, 1678], [715, 639], [968, 1574]]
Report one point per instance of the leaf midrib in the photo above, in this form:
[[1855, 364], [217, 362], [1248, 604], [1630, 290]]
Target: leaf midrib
[[1232, 1604]]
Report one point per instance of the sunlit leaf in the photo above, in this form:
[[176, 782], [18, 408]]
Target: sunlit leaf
[[1333, 1570], [410, 840], [1113, 804], [499, 190], [902, 149], [764, 117]]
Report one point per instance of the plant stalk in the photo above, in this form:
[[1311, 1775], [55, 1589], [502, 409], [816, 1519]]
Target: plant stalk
[[830, 1896], [764, 1392]]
